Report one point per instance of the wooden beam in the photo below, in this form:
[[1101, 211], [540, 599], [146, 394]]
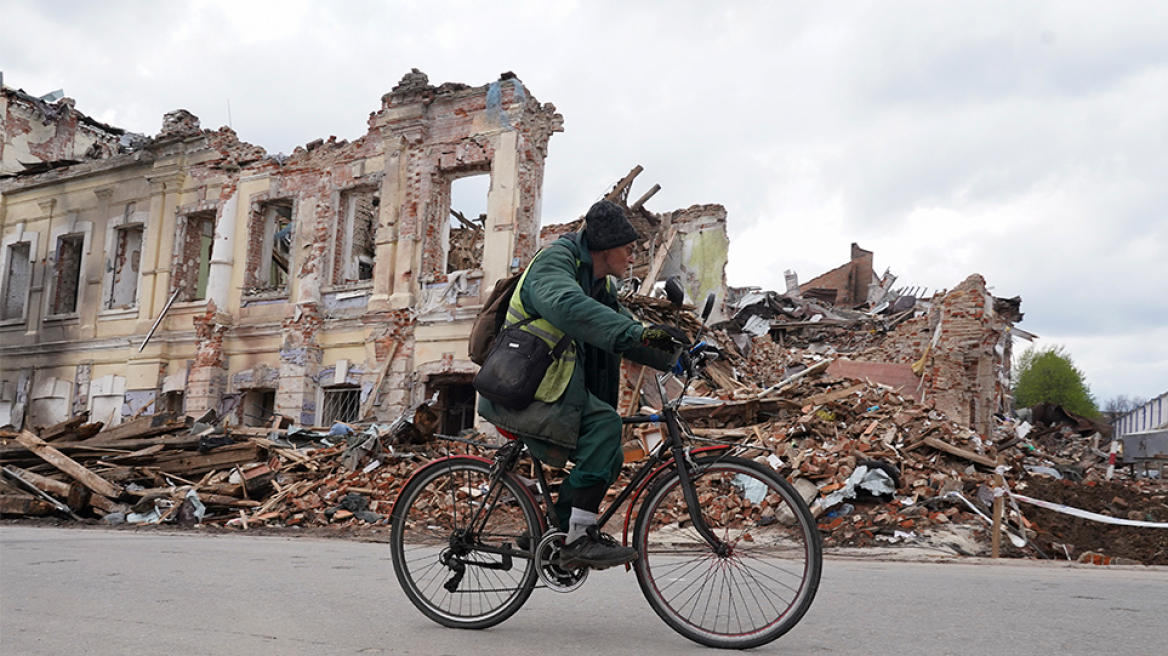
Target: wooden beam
[[367, 406], [64, 428], [644, 199], [813, 369], [959, 452], [41, 494], [658, 262], [622, 186], [18, 504], [139, 428], [189, 464], [722, 433], [98, 446], [50, 485], [834, 395], [68, 465], [183, 441]]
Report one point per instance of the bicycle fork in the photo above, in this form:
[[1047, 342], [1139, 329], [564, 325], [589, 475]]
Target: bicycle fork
[[689, 492]]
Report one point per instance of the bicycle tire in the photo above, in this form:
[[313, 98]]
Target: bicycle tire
[[762, 587], [430, 511]]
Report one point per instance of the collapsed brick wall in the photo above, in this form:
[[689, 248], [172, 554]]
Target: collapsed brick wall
[[849, 281], [963, 347], [393, 339]]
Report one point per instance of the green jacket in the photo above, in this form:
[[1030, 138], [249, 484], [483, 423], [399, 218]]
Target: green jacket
[[559, 287]]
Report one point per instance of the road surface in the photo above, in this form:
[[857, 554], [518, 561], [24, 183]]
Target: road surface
[[146, 592]]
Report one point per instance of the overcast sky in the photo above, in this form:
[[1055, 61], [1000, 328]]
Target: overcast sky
[[1025, 141]]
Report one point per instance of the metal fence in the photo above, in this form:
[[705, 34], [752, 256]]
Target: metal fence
[[1149, 416]]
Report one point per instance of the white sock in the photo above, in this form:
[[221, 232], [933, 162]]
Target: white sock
[[578, 523]]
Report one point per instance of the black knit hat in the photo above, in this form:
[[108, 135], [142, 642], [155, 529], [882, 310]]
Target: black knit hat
[[606, 226]]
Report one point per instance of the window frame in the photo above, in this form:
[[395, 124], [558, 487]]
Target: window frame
[[203, 219], [131, 219], [261, 241], [72, 228], [6, 252]]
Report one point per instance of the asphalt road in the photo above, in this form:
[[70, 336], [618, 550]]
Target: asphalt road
[[73, 591]]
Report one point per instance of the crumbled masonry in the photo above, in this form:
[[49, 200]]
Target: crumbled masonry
[[284, 335]]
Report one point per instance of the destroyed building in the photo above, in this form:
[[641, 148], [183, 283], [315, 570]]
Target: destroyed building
[[174, 272], [691, 244], [148, 278], [39, 133], [950, 350], [191, 271]]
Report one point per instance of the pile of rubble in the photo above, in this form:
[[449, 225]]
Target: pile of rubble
[[831, 434], [877, 467], [164, 469]]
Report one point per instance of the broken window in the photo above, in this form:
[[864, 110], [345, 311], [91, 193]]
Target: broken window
[[67, 273], [456, 402], [258, 407], [355, 248], [341, 403], [270, 257], [193, 263], [466, 227], [171, 402], [126, 266], [17, 276]]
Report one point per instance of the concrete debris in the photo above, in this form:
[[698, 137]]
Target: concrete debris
[[831, 429], [277, 298], [878, 468]]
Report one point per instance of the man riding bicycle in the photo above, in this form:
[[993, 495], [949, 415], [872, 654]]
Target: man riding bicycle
[[567, 290]]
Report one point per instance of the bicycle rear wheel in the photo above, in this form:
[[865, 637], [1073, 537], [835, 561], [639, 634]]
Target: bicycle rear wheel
[[458, 575], [764, 583]]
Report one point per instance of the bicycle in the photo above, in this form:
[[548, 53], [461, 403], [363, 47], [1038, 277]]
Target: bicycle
[[730, 556]]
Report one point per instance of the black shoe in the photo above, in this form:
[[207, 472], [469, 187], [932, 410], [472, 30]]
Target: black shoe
[[596, 550]]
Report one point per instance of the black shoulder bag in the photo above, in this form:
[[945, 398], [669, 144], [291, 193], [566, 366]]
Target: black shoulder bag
[[516, 365]]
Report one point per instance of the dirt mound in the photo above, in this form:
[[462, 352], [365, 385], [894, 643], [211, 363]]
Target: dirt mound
[[1065, 536]]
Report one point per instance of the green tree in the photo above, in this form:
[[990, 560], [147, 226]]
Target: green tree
[[1048, 375]]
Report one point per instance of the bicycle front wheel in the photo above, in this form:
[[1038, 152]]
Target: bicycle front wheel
[[462, 569], [760, 585]]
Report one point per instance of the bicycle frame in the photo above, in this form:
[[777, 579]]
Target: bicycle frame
[[671, 452]]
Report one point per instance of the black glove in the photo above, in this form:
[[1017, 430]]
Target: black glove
[[663, 338], [684, 364]]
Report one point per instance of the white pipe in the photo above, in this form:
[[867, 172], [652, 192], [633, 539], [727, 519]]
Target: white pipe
[[223, 253]]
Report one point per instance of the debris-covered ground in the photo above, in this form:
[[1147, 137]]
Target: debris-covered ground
[[878, 468]]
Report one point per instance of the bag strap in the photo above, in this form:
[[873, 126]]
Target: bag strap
[[566, 340], [560, 346]]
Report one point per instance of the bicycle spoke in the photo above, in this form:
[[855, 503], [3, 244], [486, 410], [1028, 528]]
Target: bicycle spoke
[[449, 568], [755, 590]]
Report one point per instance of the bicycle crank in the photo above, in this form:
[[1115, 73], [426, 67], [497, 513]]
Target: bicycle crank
[[547, 563]]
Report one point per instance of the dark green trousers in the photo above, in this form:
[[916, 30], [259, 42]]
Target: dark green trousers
[[596, 460]]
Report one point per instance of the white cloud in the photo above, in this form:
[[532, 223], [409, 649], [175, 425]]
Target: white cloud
[[1022, 141]]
